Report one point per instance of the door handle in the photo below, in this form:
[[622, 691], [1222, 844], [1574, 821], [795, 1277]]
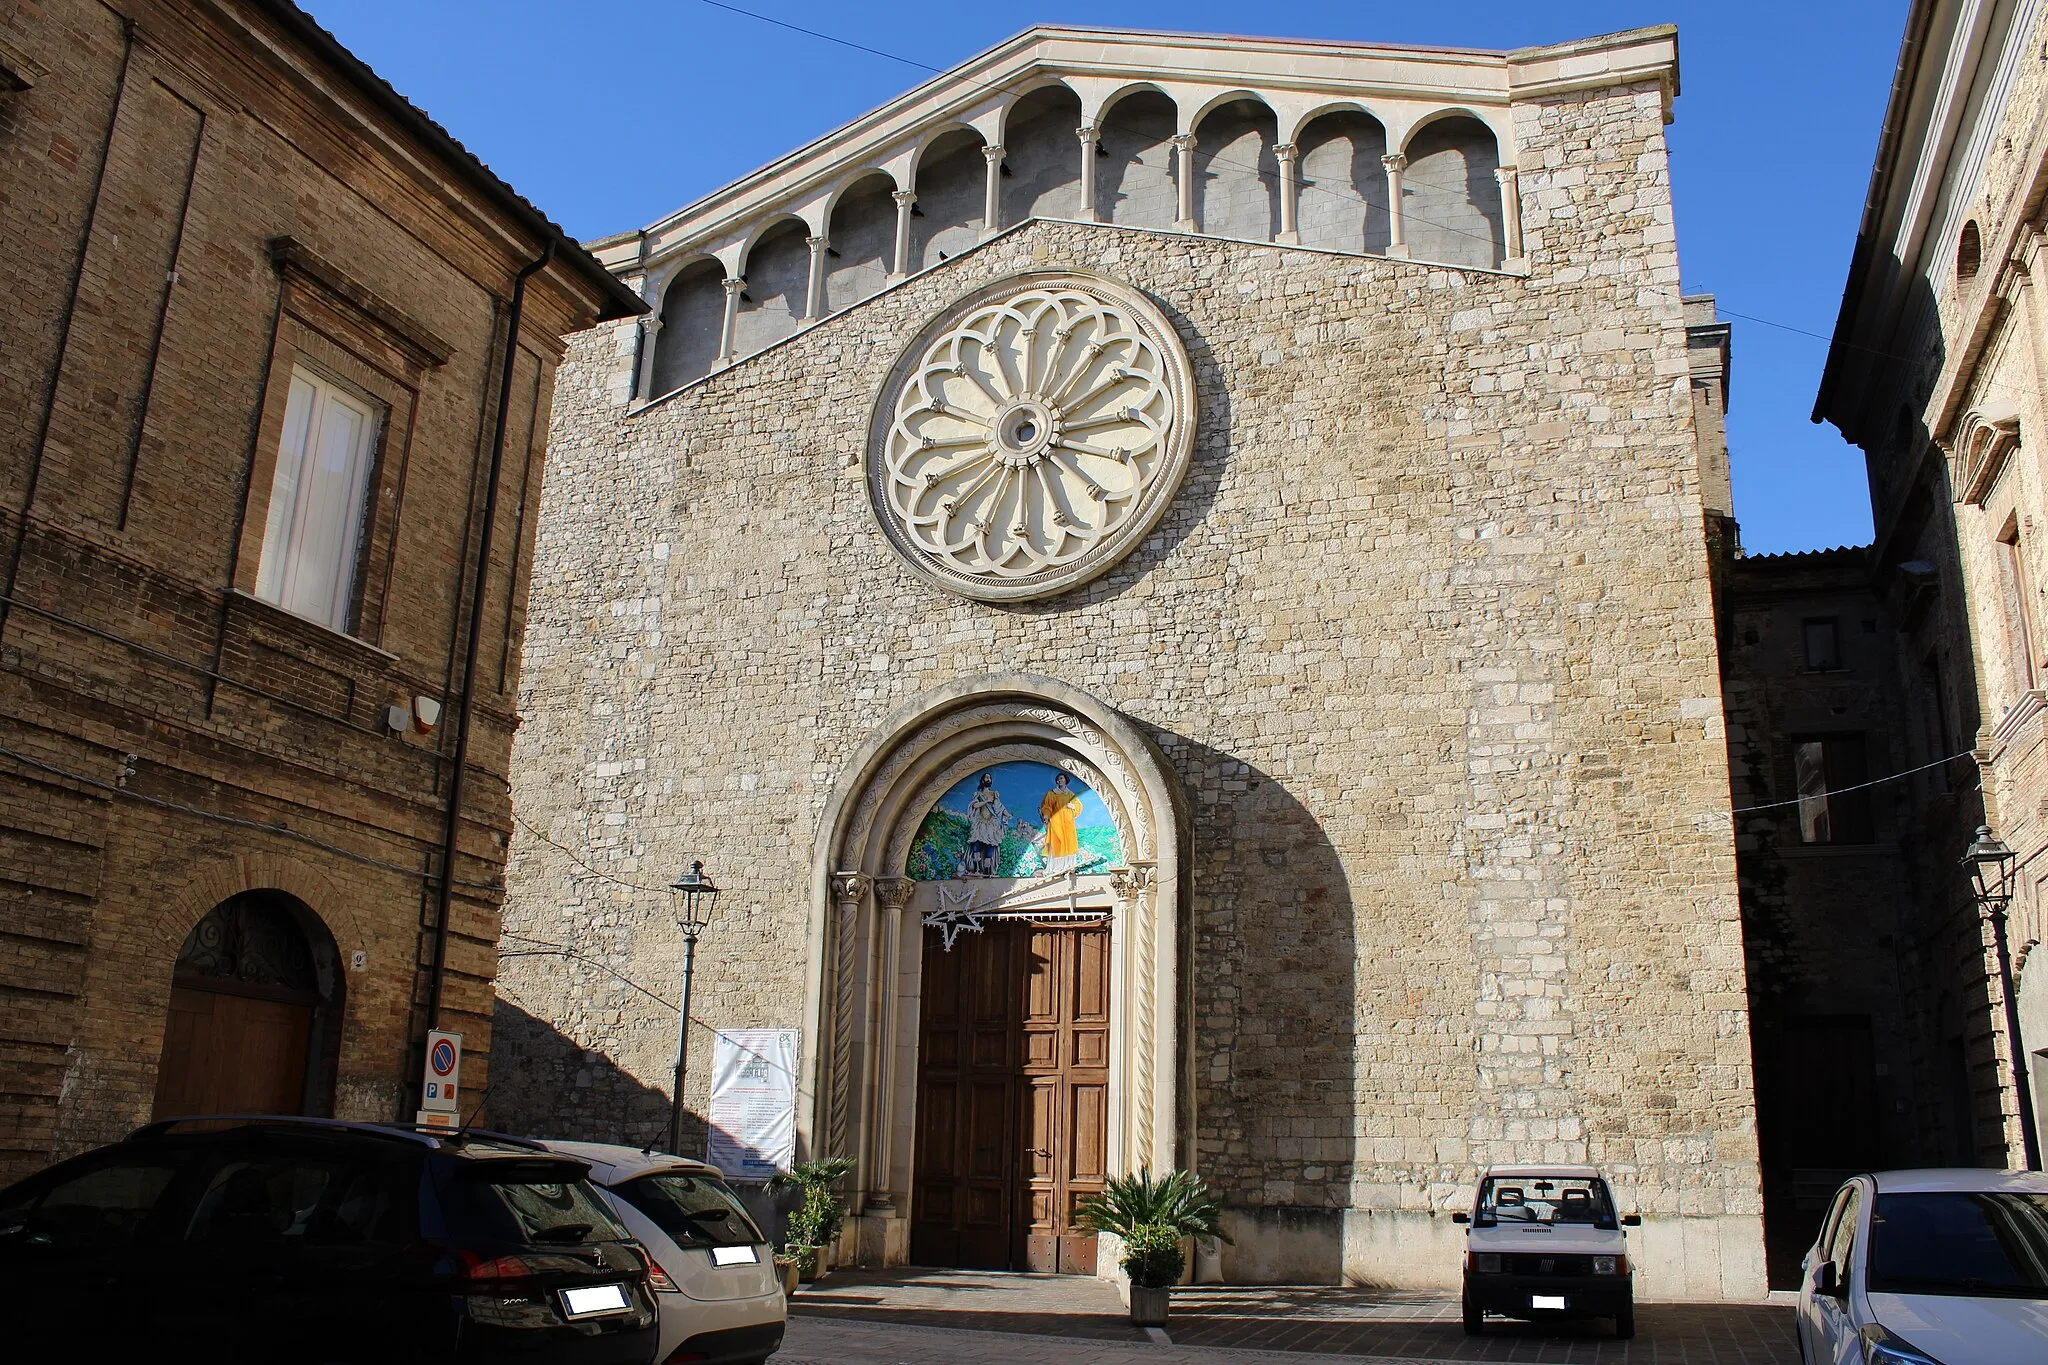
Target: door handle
[[1039, 1151]]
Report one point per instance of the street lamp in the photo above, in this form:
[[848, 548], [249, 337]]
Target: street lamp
[[1992, 865], [695, 899]]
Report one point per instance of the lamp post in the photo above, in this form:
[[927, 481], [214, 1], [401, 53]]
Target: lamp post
[[695, 899], [1991, 865]]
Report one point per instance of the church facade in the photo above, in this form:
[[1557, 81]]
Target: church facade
[[1167, 579]]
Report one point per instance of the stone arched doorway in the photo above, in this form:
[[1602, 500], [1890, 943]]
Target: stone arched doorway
[[989, 1042], [255, 1015]]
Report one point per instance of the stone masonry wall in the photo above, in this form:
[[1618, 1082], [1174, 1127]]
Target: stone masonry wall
[[1426, 634]]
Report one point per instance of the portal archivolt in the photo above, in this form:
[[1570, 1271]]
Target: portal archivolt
[[868, 929]]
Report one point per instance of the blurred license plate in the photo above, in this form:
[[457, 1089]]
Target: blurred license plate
[[734, 1256], [598, 1298], [1546, 1300]]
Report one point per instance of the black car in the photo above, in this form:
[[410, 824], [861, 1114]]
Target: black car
[[305, 1240]]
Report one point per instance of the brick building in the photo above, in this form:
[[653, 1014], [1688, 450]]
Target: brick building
[[1168, 578], [258, 431], [1937, 372]]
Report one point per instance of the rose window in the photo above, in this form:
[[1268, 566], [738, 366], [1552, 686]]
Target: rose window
[[1034, 434]]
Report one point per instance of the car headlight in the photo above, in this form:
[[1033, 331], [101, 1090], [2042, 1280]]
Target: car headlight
[[1483, 1262], [1882, 1346], [1610, 1265]]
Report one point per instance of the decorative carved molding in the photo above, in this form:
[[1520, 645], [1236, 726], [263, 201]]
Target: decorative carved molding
[[850, 886], [1985, 438], [1140, 838], [1131, 882], [893, 893], [1031, 437]]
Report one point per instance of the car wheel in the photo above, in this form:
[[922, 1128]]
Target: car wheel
[[1625, 1321], [1475, 1318]]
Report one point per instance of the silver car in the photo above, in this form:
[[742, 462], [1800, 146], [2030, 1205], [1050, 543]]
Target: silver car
[[1929, 1268], [721, 1300]]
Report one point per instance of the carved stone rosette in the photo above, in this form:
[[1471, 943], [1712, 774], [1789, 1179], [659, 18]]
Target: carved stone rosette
[[1031, 436]]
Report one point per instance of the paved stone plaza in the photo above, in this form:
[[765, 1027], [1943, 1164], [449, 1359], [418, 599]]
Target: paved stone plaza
[[913, 1316]]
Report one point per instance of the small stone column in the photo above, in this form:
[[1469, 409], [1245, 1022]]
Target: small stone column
[[905, 199], [1290, 193], [849, 893], [650, 333], [1134, 887], [892, 899], [814, 291], [1184, 181], [1397, 232], [1510, 211], [992, 196], [1091, 137], [733, 290]]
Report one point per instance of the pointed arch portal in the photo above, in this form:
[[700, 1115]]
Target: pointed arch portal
[[988, 1047]]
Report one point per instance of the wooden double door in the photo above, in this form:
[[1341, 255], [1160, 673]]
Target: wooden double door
[[1013, 1098], [233, 1052]]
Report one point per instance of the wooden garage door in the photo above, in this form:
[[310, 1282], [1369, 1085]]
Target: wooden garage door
[[1013, 1098]]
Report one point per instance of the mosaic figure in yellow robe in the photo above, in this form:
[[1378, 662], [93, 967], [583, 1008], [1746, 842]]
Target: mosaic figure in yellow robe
[[1058, 813]]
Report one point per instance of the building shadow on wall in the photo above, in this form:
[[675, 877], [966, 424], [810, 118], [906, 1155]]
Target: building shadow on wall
[[546, 1085], [1905, 1048], [1269, 962]]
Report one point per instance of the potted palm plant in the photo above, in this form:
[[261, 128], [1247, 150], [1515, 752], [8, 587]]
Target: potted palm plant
[[1153, 1219], [814, 1226]]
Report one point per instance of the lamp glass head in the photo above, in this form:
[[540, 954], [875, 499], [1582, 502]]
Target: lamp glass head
[[1991, 865], [696, 897]]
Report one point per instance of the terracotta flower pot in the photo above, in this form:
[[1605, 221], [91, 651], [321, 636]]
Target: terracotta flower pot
[[785, 1270], [1148, 1306]]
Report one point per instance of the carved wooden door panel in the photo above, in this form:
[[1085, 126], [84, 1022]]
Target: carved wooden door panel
[[1013, 1090], [964, 1204], [1066, 1081]]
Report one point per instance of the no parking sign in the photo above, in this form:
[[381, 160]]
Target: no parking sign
[[444, 1073]]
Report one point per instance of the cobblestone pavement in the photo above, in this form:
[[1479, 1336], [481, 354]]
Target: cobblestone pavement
[[923, 1317]]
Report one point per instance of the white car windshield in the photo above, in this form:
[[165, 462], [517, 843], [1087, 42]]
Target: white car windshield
[[1976, 1245], [1551, 1201]]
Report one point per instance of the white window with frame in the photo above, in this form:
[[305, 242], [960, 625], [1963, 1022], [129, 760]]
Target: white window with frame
[[313, 536]]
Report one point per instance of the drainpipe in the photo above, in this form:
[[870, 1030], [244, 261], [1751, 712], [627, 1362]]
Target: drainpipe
[[446, 895]]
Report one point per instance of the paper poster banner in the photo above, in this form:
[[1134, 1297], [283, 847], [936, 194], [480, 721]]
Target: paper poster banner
[[753, 1102]]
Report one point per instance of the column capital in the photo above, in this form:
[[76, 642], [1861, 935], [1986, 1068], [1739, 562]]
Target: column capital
[[652, 322], [851, 886], [1394, 162], [1506, 174], [1182, 141], [1132, 882], [993, 151], [817, 243], [1088, 132], [1286, 151], [734, 285], [893, 893], [904, 198]]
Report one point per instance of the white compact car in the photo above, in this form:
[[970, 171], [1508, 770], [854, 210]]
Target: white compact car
[[1929, 1268], [1545, 1242], [721, 1300]]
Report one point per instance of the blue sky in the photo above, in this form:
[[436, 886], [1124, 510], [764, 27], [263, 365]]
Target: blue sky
[[609, 116]]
